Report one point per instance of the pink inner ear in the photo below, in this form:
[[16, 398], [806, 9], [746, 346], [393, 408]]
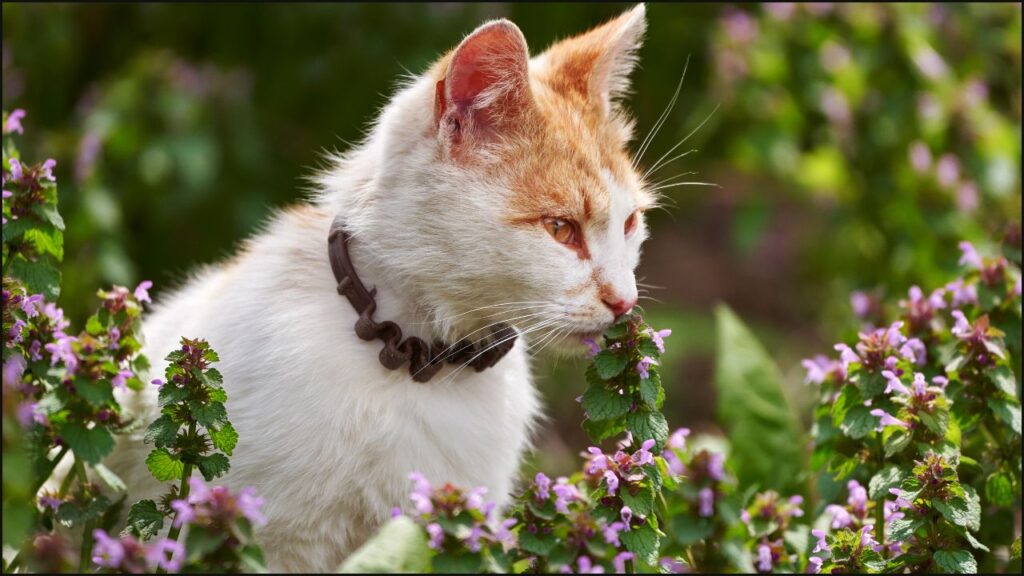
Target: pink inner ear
[[488, 70]]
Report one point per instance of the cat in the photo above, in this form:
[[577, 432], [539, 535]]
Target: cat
[[493, 188]]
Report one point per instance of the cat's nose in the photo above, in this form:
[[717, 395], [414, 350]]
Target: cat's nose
[[620, 307]]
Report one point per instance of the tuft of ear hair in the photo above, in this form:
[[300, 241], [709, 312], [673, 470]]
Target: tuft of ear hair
[[486, 84], [596, 65]]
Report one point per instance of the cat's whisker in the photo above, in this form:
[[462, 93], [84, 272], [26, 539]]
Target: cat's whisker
[[537, 326], [651, 298], [689, 184], [652, 286], [658, 164], [526, 305], [661, 119], [670, 178], [669, 161]]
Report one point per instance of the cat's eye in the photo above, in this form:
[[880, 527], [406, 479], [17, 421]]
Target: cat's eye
[[562, 230], [630, 225]]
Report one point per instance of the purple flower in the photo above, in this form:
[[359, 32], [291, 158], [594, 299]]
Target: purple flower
[[594, 347], [115, 338], [822, 542], [613, 481], [642, 366], [970, 256], [28, 413], [504, 534], [858, 499], [15, 332], [586, 566], [46, 170], [119, 380], [886, 419], [1016, 288], [914, 351], [157, 382], [920, 157], [542, 486], [675, 465], [846, 356], [967, 197], [796, 501], [157, 554], [706, 500], [598, 462], [17, 171], [473, 540], [475, 498], [866, 541], [564, 494], [962, 329], [962, 292], [14, 368], [781, 11], [900, 502], [106, 552], [940, 381], [716, 466], [643, 455], [820, 367], [816, 563], [947, 170], [199, 492], [860, 302], [142, 291], [620, 561], [840, 516], [47, 501], [13, 123], [421, 493], [436, 535], [894, 383], [892, 512], [61, 351], [658, 337], [764, 558], [627, 516], [30, 305], [183, 512], [611, 533], [249, 504], [677, 440], [739, 26]]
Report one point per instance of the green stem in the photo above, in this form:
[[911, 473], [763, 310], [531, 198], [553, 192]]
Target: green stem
[[87, 540], [186, 473], [630, 569], [51, 465], [880, 503]]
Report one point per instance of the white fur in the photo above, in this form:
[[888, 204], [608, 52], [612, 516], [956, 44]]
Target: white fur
[[328, 436]]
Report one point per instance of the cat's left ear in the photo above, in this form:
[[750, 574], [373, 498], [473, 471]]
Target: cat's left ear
[[597, 63]]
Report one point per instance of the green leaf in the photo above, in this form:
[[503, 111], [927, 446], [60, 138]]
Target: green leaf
[[74, 513], [209, 415], [109, 478], [956, 562], [539, 544], [642, 541], [599, 430], [49, 213], [936, 422], [688, 530], [609, 364], [886, 478], [217, 395], [651, 391], [958, 511], [1007, 411], [224, 438], [144, 520], [99, 393], [162, 431], [163, 466], [904, 528], [213, 466], [40, 277], [46, 243], [752, 405], [212, 377], [616, 331], [641, 503], [858, 422], [1002, 377], [171, 394], [646, 425], [603, 404], [399, 547], [448, 563], [895, 440], [89, 444], [999, 489]]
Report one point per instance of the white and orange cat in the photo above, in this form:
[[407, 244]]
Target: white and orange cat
[[494, 187]]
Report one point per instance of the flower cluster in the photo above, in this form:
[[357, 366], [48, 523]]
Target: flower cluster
[[126, 554]]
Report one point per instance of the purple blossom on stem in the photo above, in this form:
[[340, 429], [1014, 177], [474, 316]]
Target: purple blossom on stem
[[963, 293], [658, 337], [166, 554], [436, 534], [764, 558], [249, 504], [30, 305], [920, 157], [822, 543], [716, 466], [643, 455], [504, 533], [14, 368], [62, 351], [677, 440], [183, 513], [598, 461], [970, 256], [643, 365], [114, 337], [706, 503], [564, 494], [860, 302], [612, 479], [914, 351], [421, 493], [119, 380], [594, 348], [627, 516], [142, 291], [894, 384], [13, 123], [886, 419], [611, 533], [47, 501], [17, 171], [841, 517], [542, 486], [619, 562], [157, 382], [106, 552], [46, 170]]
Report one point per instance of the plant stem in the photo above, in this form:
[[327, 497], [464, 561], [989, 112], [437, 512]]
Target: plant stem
[[86, 554], [186, 473], [880, 503], [630, 569]]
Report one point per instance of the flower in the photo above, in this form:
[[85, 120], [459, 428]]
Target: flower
[[962, 329], [61, 351], [947, 170], [764, 558], [914, 351], [816, 563], [858, 499], [861, 303], [29, 413], [157, 382], [157, 554], [542, 486], [900, 502], [106, 552], [620, 561], [658, 337], [473, 540], [920, 157], [13, 123], [142, 291], [611, 533], [436, 534], [820, 368], [970, 256], [47, 501], [894, 383], [643, 365], [249, 504], [421, 493], [840, 516], [796, 501], [183, 512], [627, 516], [565, 493], [677, 440], [593, 346], [475, 498], [46, 170], [15, 332], [822, 543], [14, 368], [886, 419], [716, 466], [118, 381], [598, 461], [30, 305], [504, 534], [643, 455], [706, 500], [962, 292], [114, 337], [613, 481], [17, 170]]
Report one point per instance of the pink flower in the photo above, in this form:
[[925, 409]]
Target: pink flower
[[13, 370], [46, 170], [183, 512], [920, 157], [436, 534], [643, 365], [106, 552], [658, 337], [764, 558], [706, 503], [157, 554], [47, 501], [815, 562], [119, 380], [886, 419], [421, 493], [542, 486], [249, 504], [611, 533], [620, 561], [627, 516], [613, 481], [643, 455], [593, 346], [677, 440], [947, 170], [822, 542], [894, 384], [970, 256], [840, 516], [142, 291], [13, 123], [598, 461]]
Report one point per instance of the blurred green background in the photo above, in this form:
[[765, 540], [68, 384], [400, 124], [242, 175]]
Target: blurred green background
[[854, 146]]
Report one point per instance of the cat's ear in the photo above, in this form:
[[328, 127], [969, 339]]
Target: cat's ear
[[597, 63], [486, 85]]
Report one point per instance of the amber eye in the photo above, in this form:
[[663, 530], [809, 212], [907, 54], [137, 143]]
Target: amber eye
[[630, 224], [562, 230]]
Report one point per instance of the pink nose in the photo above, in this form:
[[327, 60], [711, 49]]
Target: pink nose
[[620, 307]]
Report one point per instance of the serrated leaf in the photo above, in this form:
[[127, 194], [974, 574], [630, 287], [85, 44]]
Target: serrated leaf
[[642, 541], [889, 477], [603, 404], [217, 395], [163, 466], [46, 243], [162, 431], [171, 394], [858, 422], [754, 408], [144, 520], [651, 392], [213, 466], [599, 430], [210, 414], [1002, 377], [902, 529], [224, 438], [89, 444], [641, 503], [1007, 411], [540, 545], [645, 425], [616, 331], [49, 213], [895, 440], [213, 377], [609, 364], [937, 422], [956, 562], [999, 489], [99, 393], [958, 511], [74, 513], [40, 277]]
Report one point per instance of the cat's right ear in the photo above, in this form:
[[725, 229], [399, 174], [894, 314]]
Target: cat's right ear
[[486, 86]]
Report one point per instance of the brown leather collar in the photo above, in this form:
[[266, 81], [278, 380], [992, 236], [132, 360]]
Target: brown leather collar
[[424, 359]]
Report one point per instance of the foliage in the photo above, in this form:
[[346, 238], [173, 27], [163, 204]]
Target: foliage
[[60, 405]]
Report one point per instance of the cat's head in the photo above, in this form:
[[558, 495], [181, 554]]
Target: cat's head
[[509, 183]]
